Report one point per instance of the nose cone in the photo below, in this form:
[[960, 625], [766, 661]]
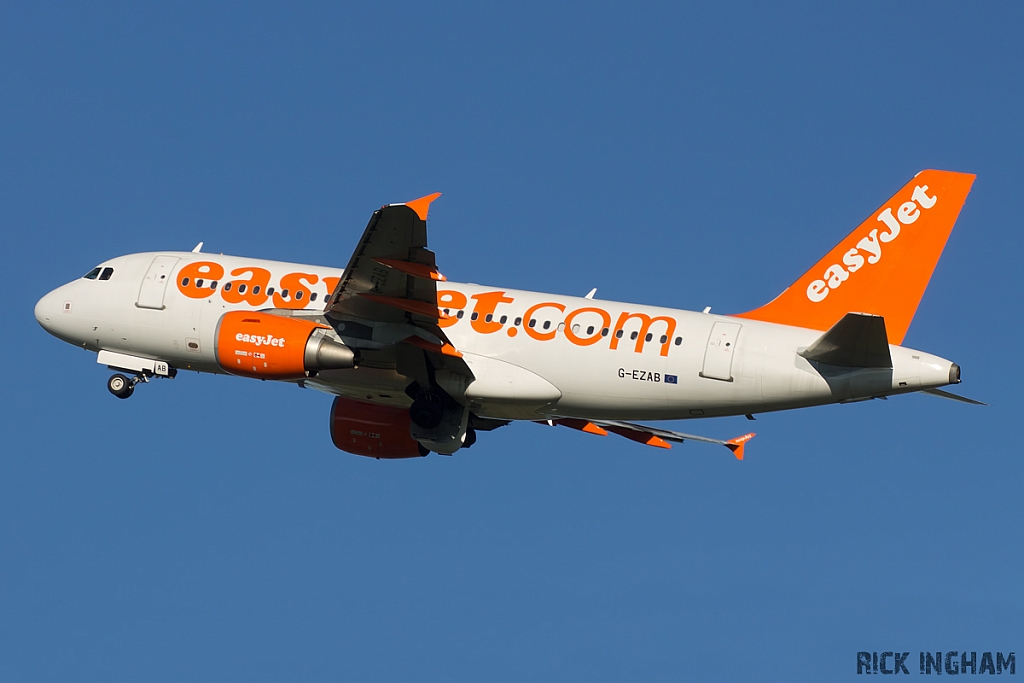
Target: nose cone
[[47, 310]]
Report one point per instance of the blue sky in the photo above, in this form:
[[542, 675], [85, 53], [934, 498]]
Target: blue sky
[[208, 530]]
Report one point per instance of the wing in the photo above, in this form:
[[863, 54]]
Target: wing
[[652, 436], [391, 274], [385, 303]]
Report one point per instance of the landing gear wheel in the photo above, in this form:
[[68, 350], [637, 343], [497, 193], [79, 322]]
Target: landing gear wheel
[[427, 410], [120, 386]]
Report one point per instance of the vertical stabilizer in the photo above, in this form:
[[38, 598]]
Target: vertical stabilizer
[[883, 267]]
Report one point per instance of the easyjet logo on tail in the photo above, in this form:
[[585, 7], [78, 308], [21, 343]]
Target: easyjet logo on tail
[[869, 249]]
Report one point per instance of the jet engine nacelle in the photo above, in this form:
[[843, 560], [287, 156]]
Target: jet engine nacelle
[[372, 430], [268, 346]]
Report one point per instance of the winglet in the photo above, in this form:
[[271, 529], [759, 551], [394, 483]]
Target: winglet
[[736, 445], [422, 205]]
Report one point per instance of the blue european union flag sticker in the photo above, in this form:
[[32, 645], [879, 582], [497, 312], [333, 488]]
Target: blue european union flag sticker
[[671, 379]]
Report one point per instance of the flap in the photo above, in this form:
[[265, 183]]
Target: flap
[[645, 434]]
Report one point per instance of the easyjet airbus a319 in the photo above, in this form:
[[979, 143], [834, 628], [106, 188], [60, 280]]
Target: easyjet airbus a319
[[419, 364]]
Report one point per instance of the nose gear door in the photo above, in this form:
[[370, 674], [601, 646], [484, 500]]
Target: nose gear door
[[151, 294]]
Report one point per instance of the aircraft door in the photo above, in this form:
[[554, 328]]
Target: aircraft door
[[720, 351], [151, 294]]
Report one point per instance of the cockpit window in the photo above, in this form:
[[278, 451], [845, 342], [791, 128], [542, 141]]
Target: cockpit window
[[107, 272], [91, 275]]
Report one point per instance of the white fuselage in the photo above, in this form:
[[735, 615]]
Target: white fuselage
[[572, 361]]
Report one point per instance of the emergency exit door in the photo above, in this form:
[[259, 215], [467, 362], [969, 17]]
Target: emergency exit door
[[720, 350], [151, 294]]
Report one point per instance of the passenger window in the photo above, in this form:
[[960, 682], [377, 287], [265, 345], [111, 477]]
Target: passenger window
[[664, 339], [284, 293], [503, 319], [199, 282], [590, 329], [184, 282], [533, 322], [488, 318], [298, 295], [604, 332], [91, 275], [649, 337], [634, 335], [679, 340], [618, 334], [270, 291], [518, 322], [256, 289], [547, 324], [312, 297], [474, 316], [107, 272], [241, 288], [460, 314], [227, 286], [213, 285]]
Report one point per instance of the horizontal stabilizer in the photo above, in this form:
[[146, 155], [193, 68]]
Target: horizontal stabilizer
[[953, 397], [858, 340]]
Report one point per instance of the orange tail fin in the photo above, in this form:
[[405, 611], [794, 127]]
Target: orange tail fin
[[882, 267]]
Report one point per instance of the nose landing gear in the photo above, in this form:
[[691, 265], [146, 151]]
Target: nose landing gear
[[142, 369], [121, 386]]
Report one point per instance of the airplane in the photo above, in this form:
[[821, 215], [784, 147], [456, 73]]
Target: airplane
[[417, 364]]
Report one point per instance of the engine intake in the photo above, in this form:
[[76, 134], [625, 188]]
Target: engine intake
[[268, 346]]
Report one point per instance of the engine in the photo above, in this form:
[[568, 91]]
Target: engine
[[268, 346], [375, 431]]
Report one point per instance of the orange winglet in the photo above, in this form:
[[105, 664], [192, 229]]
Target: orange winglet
[[444, 349], [415, 269], [410, 305], [736, 445], [422, 205]]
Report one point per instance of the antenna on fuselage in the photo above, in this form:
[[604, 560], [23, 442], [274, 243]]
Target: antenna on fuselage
[[199, 248]]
